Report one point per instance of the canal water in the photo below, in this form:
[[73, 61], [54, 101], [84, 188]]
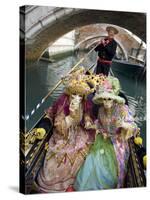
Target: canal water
[[41, 78]]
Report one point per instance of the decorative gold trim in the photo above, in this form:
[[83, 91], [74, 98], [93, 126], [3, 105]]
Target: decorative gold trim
[[27, 139]]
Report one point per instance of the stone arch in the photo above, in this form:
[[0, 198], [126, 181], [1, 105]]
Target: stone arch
[[42, 30]]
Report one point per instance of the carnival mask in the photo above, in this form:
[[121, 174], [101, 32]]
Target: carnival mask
[[75, 102], [108, 103]]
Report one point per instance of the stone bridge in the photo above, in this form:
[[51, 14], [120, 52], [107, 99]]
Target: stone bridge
[[40, 26]]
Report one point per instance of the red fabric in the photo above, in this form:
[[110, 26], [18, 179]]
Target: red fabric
[[104, 61], [61, 103], [70, 189]]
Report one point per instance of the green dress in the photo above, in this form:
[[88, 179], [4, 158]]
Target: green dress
[[100, 169]]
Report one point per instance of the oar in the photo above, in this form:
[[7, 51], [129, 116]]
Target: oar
[[44, 113], [60, 81]]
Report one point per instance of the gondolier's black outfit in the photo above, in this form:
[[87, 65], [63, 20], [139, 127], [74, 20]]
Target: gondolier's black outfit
[[106, 52]]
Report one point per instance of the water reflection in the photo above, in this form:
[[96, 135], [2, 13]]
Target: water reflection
[[135, 90], [40, 79]]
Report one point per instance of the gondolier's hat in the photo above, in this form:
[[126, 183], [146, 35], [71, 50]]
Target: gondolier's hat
[[109, 28]]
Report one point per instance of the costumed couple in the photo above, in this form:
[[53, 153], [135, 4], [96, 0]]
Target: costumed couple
[[87, 152]]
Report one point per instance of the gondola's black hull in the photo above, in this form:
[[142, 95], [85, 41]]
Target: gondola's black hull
[[29, 170]]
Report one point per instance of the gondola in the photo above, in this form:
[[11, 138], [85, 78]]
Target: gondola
[[31, 163], [33, 147]]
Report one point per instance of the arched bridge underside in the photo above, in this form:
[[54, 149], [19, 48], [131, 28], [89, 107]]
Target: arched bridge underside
[[43, 25]]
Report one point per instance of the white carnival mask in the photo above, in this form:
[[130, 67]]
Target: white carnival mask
[[108, 103], [75, 102]]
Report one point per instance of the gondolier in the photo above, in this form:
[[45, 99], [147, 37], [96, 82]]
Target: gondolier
[[106, 51]]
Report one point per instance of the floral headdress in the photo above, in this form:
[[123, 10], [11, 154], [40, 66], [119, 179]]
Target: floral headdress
[[107, 91]]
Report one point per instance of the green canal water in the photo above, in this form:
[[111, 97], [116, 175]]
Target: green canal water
[[41, 78]]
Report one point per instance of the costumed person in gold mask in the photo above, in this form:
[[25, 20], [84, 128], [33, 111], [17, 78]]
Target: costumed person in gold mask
[[72, 136]]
